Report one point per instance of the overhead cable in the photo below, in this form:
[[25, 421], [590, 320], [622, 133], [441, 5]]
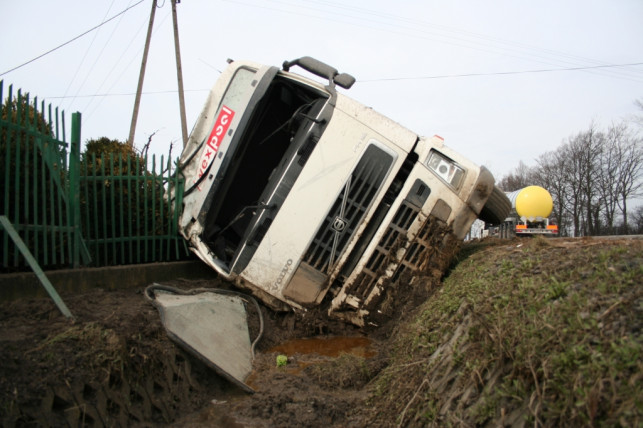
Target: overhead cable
[[500, 73], [445, 76], [82, 61], [69, 41], [410, 27]]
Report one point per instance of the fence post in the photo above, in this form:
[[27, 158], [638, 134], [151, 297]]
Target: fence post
[[74, 186]]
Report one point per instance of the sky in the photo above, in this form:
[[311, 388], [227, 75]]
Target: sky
[[500, 81]]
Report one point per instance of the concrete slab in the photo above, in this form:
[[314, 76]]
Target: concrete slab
[[213, 327]]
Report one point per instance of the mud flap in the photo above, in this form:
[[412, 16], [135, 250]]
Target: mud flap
[[210, 324]]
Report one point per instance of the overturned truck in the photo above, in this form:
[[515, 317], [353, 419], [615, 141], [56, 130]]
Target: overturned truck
[[297, 193]]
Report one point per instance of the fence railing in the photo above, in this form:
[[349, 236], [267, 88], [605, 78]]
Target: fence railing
[[33, 195], [126, 214], [70, 211]]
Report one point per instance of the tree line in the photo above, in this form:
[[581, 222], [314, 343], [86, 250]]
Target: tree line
[[593, 177]]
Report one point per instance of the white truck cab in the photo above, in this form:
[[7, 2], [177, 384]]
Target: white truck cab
[[298, 193]]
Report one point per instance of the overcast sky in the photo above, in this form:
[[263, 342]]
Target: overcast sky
[[474, 72]]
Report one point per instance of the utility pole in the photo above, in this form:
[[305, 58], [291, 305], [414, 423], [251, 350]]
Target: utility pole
[[179, 74], [141, 76]]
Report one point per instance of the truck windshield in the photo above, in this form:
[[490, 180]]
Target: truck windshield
[[279, 128]]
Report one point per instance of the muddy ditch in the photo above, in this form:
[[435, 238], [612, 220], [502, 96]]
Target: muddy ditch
[[519, 332], [115, 366]]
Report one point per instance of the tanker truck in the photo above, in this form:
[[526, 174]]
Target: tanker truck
[[531, 207]]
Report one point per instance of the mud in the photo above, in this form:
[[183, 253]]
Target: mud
[[115, 366], [328, 346]]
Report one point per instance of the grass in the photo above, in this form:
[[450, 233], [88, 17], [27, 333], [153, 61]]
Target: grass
[[528, 331]]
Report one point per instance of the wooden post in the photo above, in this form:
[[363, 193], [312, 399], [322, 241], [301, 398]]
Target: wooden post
[[179, 75], [141, 76]]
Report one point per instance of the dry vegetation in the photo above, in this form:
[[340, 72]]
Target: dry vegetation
[[536, 332]]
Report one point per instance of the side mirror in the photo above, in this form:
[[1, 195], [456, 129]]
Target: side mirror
[[321, 69], [344, 80]]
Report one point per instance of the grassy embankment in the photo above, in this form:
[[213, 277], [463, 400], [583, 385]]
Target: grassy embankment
[[535, 332]]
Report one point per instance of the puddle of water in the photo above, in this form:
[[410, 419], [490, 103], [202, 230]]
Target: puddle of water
[[327, 346], [305, 352]]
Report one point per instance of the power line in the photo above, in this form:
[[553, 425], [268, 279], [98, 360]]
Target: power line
[[420, 29], [500, 73], [125, 68], [125, 94], [445, 76], [87, 51], [69, 41]]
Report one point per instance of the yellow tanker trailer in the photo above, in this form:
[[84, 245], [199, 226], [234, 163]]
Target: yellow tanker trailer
[[531, 207]]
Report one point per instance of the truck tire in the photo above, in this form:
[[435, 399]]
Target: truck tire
[[497, 208]]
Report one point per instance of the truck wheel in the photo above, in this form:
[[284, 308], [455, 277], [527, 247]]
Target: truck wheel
[[497, 208]]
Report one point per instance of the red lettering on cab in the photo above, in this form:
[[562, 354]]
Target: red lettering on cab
[[217, 134]]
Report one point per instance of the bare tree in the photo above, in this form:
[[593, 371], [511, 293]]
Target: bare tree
[[592, 177], [630, 173], [637, 226], [551, 175], [594, 144], [573, 177], [587, 148], [609, 171], [639, 118], [520, 177], [579, 168]]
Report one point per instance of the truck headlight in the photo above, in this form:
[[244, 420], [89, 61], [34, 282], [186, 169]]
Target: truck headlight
[[445, 168]]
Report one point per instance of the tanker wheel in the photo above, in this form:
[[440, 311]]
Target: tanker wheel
[[497, 208]]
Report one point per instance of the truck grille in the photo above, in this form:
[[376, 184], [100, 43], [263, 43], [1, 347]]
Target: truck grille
[[348, 210], [429, 240], [394, 238]]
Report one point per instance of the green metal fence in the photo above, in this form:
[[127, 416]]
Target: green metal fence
[[126, 214], [34, 170], [70, 211]]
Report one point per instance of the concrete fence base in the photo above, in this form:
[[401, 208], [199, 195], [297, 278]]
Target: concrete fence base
[[25, 284]]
